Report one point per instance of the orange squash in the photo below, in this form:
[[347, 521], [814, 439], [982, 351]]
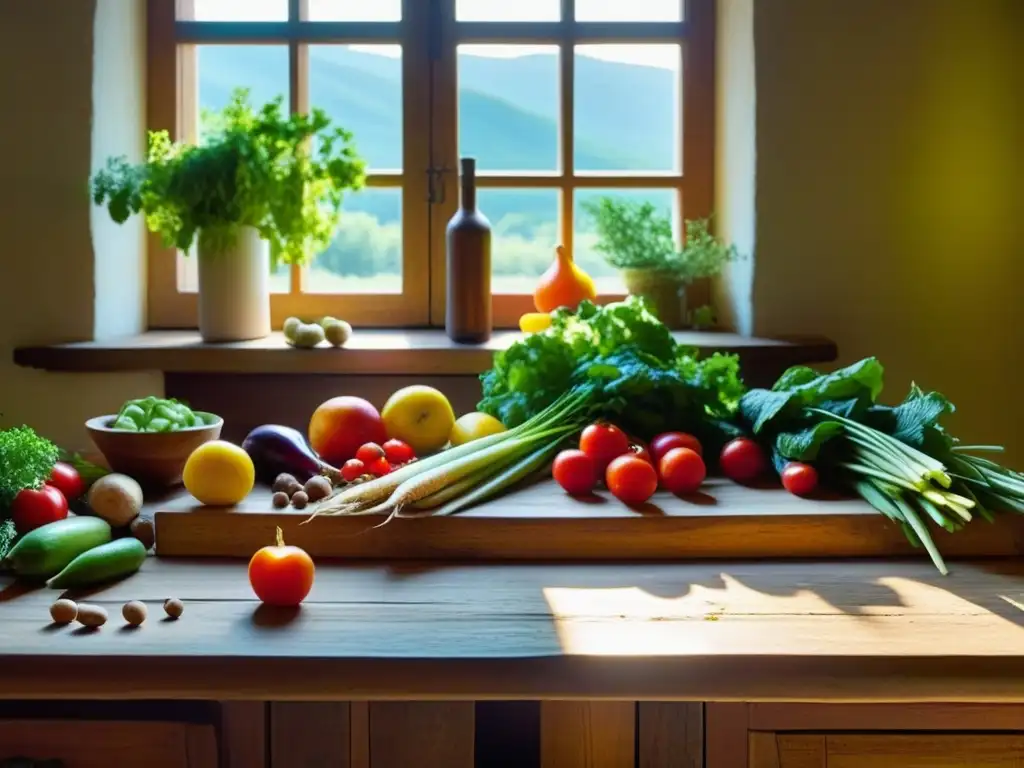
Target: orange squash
[[564, 284]]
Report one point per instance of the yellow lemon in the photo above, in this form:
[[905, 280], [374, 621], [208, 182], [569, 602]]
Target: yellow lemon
[[219, 474], [473, 426], [534, 322], [419, 415]]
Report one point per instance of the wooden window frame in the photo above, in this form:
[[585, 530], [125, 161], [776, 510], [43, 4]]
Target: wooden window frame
[[430, 98]]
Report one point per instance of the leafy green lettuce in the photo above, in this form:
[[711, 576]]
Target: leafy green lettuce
[[637, 373]]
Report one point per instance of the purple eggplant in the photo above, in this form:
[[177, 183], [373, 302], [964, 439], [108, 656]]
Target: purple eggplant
[[275, 449]]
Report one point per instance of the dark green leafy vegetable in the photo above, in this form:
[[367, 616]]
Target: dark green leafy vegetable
[[154, 414], [7, 536], [625, 355]]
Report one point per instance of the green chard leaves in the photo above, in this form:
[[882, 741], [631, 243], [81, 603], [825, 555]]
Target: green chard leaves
[[628, 360]]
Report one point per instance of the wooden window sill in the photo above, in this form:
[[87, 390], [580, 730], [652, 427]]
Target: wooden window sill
[[369, 352]]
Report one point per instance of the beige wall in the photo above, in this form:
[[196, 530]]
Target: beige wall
[[887, 209], [890, 212], [58, 260]]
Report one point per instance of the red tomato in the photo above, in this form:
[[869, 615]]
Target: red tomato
[[575, 472], [602, 443], [743, 460], [682, 470], [666, 441], [638, 449], [281, 575], [65, 478], [631, 479], [369, 453], [379, 468], [352, 469], [799, 479], [33, 507], [398, 452]]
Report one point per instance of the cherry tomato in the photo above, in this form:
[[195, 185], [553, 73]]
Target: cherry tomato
[[379, 468], [369, 453], [352, 469], [602, 443], [575, 472], [398, 452], [631, 479], [743, 460], [666, 441], [799, 479], [682, 470], [638, 449], [65, 478], [33, 507], [281, 575]]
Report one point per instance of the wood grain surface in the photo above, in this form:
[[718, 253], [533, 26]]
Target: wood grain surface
[[540, 522], [720, 631]]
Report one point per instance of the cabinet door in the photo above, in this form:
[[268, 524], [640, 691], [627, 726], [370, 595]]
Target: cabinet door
[[102, 744], [926, 750]]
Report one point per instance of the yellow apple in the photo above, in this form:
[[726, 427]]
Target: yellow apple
[[473, 426], [419, 415]]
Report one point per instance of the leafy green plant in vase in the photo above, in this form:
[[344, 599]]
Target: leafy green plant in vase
[[262, 189], [637, 240]]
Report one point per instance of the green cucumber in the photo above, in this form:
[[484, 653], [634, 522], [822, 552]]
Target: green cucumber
[[103, 563], [48, 549]]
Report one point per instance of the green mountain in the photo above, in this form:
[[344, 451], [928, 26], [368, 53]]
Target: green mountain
[[625, 119]]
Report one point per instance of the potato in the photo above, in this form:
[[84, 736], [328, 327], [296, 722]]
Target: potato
[[63, 611], [116, 498], [306, 336], [283, 482], [142, 528], [280, 499], [300, 499], [318, 487], [91, 615], [338, 333], [134, 612], [173, 607]]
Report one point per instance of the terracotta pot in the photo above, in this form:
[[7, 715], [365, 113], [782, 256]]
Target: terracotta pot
[[667, 292], [234, 289]]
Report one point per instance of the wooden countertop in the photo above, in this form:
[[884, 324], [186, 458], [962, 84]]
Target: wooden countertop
[[831, 631], [370, 352]]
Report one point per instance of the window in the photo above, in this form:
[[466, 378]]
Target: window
[[560, 101]]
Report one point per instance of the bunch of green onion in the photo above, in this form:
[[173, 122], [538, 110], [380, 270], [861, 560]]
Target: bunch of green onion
[[452, 480]]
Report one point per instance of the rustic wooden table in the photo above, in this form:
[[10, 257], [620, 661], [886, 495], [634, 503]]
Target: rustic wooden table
[[870, 630]]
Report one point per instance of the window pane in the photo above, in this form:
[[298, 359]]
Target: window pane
[[524, 224], [366, 255], [585, 237], [360, 88], [509, 10], [508, 106], [633, 10], [627, 107], [233, 10], [220, 69], [355, 10]]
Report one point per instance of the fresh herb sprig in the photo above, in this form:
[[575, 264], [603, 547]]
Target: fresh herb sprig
[[282, 174], [26, 460]]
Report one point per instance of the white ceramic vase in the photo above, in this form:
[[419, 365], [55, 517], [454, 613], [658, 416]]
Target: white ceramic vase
[[234, 289]]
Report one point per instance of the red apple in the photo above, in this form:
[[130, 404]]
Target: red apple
[[342, 424]]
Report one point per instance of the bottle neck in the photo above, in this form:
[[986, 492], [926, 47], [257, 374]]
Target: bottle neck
[[468, 186]]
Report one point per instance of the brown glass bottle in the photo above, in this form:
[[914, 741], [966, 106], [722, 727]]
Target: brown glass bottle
[[468, 315]]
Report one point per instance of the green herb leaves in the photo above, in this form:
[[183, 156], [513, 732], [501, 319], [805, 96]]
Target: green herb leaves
[[26, 460], [282, 174]]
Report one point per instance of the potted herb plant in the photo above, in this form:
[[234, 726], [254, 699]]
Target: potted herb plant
[[262, 189], [638, 241]]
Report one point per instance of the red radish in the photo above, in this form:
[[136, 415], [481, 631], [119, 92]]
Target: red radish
[[65, 478], [743, 460], [352, 469], [799, 479], [379, 468], [575, 472], [631, 479], [398, 452], [369, 453], [682, 471], [666, 441], [35, 507], [602, 443]]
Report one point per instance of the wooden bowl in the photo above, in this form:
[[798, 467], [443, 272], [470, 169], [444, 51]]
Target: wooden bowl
[[155, 459]]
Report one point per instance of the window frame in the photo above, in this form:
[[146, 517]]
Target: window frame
[[430, 157]]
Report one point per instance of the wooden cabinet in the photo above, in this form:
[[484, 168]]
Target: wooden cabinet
[[102, 744], [885, 750]]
